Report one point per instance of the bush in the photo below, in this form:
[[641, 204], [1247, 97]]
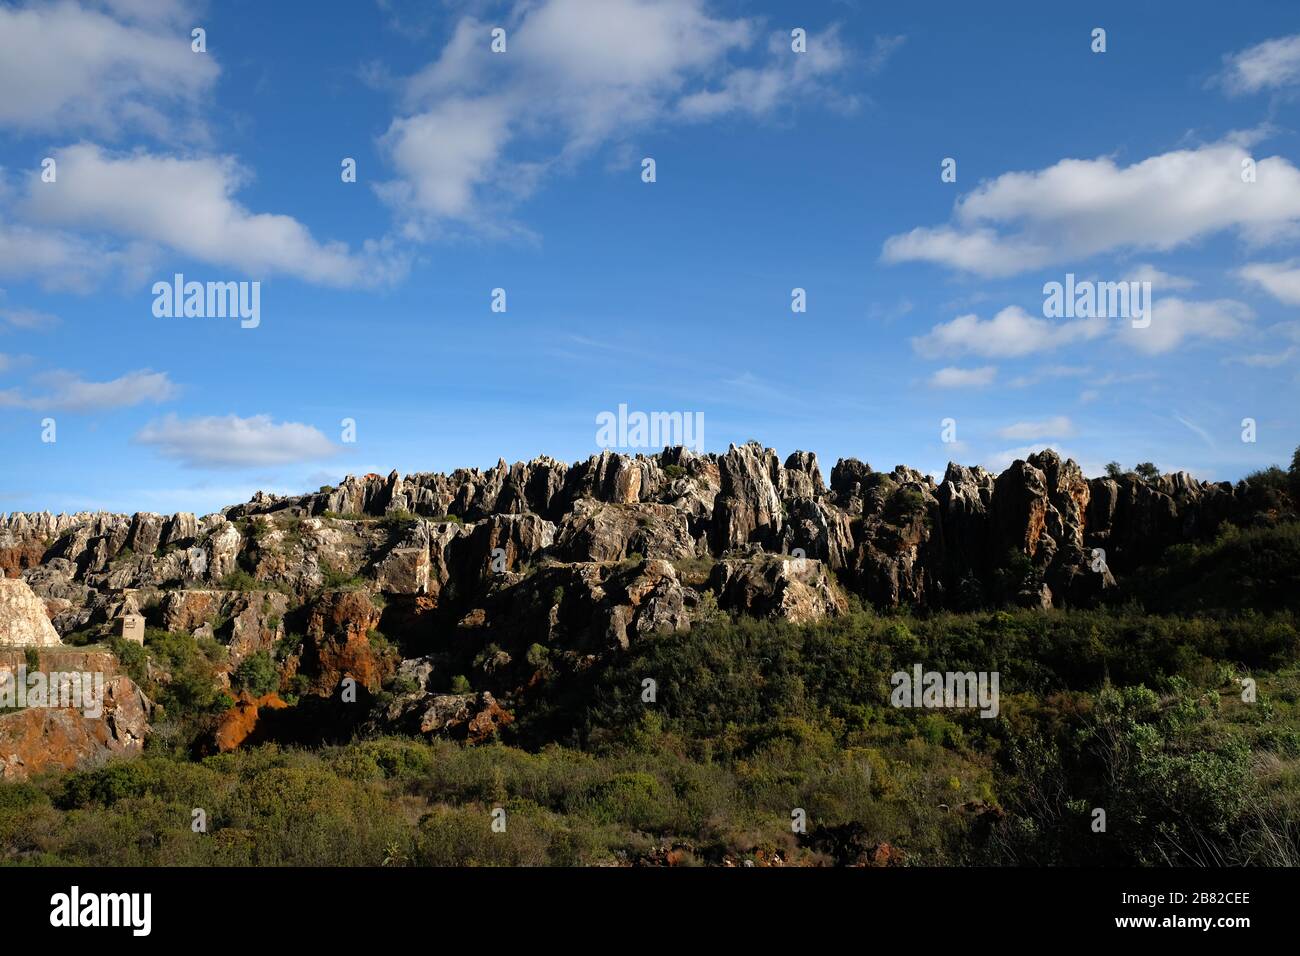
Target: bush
[[239, 580], [1256, 569], [336, 579], [256, 674], [398, 520]]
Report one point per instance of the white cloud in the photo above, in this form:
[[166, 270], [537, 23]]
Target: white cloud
[[882, 50], [1160, 281], [27, 319], [1263, 359], [759, 90], [1082, 207], [1281, 280], [57, 259], [170, 12], [65, 66], [577, 74], [964, 377], [187, 206], [1058, 427], [69, 392], [1175, 320], [1268, 65], [1012, 332], [1050, 373], [233, 442], [443, 154]]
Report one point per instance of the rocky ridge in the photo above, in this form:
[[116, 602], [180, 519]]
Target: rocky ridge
[[519, 570]]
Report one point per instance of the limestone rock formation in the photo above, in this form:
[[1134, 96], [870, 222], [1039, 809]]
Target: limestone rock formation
[[453, 540], [506, 576], [24, 621], [39, 739]]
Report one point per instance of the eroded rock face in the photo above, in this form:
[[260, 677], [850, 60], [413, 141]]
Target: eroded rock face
[[246, 622], [37, 740], [586, 606], [474, 718], [19, 554], [457, 541], [748, 507], [24, 621], [338, 643], [595, 531], [795, 589], [508, 576]]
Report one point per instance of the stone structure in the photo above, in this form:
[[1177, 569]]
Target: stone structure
[[130, 627]]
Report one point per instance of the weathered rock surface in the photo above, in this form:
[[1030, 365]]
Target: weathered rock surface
[[24, 621], [239, 724], [39, 739], [338, 644], [502, 575], [796, 589], [893, 537]]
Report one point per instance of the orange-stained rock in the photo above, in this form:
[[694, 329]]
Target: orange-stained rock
[[14, 561], [239, 724], [337, 645], [35, 740], [489, 719], [474, 718], [883, 854]]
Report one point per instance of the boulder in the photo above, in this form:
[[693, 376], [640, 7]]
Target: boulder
[[40, 739], [796, 589], [24, 621]]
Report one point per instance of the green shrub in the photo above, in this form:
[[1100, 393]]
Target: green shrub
[[239, 580], [337, 579], [398, 520], [256, 674]]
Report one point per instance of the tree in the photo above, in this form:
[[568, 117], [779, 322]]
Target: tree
[[257, 674], [1295, 478], [1147, 471], [1114, 470]]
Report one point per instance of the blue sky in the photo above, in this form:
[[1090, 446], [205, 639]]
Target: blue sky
[[522, 170]]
